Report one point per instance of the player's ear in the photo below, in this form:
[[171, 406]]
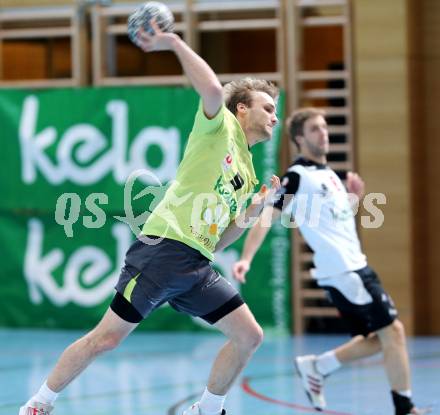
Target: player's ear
[[299, 139], [241, 108]]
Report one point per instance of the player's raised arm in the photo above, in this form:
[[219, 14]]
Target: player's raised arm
[[200, 74]]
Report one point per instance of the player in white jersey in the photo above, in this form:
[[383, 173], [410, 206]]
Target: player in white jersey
[[317, 200]]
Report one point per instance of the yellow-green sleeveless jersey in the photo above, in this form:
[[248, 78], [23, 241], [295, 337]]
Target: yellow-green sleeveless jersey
[[215, 178]]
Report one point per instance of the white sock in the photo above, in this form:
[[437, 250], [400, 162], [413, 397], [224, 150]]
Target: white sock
[[327, 363], [45, 395], [407, 393], [211, 404]]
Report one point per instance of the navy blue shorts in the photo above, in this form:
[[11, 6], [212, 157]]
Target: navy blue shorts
[[170, 271], [367, 318]]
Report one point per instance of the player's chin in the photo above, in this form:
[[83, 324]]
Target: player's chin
[[264, 138], [267, 134]]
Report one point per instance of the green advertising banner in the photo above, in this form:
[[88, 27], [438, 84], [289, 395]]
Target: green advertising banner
[[89, 140], [69, 191]]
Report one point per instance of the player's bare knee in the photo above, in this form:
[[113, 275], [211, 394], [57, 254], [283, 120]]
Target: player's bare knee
[[398, 330], [394, 335], [102, 342], [110, 342], [251, 338], [257, 337]]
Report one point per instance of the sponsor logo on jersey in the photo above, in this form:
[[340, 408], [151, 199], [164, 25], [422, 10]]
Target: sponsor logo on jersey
[[227, 162], [237, 182]]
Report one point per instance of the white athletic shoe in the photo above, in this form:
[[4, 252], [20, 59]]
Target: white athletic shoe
[[312, 380], [194, 409], [35, 408]]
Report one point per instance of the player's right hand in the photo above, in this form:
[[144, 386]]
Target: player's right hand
[[240, 269], [159, 41]]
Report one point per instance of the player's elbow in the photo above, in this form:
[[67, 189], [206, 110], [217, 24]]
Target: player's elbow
[[212, 99], [215, 92], [220, 246]]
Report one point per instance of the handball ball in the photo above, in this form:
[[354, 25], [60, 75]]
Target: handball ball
[[143, 15]]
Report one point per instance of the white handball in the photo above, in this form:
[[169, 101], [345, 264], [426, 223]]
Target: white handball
[[143, 16]]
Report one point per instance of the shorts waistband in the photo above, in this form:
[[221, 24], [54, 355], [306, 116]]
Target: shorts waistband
[[178, 244]]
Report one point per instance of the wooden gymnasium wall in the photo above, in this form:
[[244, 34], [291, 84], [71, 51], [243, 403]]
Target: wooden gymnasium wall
[[35, 58], [397, 62], [383, 141], [425, 133]]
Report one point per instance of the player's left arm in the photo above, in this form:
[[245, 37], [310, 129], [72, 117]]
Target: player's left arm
[[200, 74], [250, 215]]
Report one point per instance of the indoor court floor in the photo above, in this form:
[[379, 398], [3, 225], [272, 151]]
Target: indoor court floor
[[163, 373]]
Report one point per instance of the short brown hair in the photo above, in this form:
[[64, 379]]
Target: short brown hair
[[295, 123], [236, 92]]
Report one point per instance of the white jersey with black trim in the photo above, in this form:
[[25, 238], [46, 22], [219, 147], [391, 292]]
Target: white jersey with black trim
[[321, 209]]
